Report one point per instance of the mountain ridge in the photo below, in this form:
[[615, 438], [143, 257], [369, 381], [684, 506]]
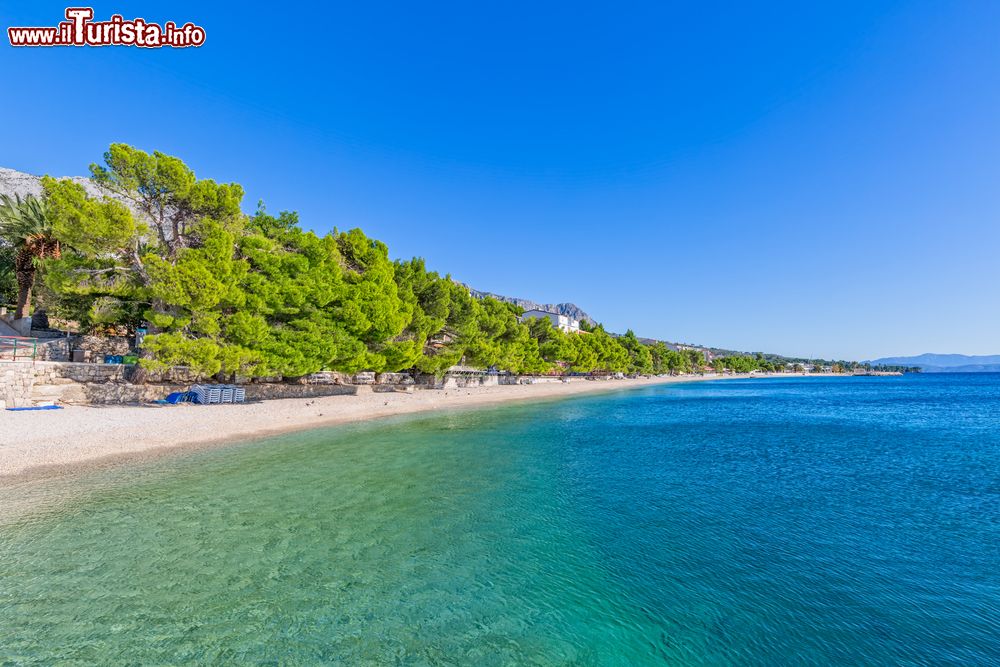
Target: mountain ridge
[[930, 362], [14, 182], [569, 309]]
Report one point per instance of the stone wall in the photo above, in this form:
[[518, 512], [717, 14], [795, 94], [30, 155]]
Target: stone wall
[[259, 392], [46, 371], [24, 384], [94, 347], [364, 377], [394, 379], [17, 381], [98, 346], [180, 375], [116, 393], [104, 393], [394, 388], [110, 393], [325, 377], [53, 349]]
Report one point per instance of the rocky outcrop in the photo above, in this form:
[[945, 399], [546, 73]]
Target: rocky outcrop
[[570, 310], [13, 182]]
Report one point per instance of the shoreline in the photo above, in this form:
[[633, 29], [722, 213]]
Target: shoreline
[[52, 443]]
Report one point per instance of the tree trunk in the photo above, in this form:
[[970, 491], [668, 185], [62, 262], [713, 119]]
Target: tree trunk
[[24, 270], [25, 280]]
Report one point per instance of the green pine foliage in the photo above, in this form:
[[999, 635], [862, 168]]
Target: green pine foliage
[[224, 293]]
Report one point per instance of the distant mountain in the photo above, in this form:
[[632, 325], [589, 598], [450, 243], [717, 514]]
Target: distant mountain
[[569, 309], [971, 368], [13, 182], [945, 363]]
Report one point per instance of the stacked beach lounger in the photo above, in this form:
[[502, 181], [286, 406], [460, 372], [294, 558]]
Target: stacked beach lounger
[[207, 394]]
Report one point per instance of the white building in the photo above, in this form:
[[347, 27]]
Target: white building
[[563, 322]]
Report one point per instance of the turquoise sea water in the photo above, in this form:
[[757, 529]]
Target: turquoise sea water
[[758, 522]]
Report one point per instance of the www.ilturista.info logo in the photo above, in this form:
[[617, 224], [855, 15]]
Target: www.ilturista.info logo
[[79, 29]]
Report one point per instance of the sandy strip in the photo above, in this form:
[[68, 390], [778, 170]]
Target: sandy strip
[[50, 441]]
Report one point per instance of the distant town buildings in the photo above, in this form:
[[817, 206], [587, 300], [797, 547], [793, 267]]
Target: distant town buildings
[[561, 322]]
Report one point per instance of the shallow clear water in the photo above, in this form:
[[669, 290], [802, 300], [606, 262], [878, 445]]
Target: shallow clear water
[[800, 521]]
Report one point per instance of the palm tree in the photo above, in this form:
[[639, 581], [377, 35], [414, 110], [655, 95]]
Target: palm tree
[[24, 224], [8, 285]]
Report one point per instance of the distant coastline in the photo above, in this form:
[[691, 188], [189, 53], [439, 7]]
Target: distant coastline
[[945, 363]]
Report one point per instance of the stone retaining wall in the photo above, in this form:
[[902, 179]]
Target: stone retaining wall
[[58, 349], [394, 379], [260, 392], [325, 377], [23, 384], [53, 349], [17, 380], [105, 393], [46, 371], [116, 393]]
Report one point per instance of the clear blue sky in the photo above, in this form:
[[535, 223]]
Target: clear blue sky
[[816, 179]]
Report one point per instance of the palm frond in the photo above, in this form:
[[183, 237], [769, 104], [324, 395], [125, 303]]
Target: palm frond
[[21, 218], [25, 224]]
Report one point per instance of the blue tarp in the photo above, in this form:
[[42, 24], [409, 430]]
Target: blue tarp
[[178, 397], [39, 407]]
